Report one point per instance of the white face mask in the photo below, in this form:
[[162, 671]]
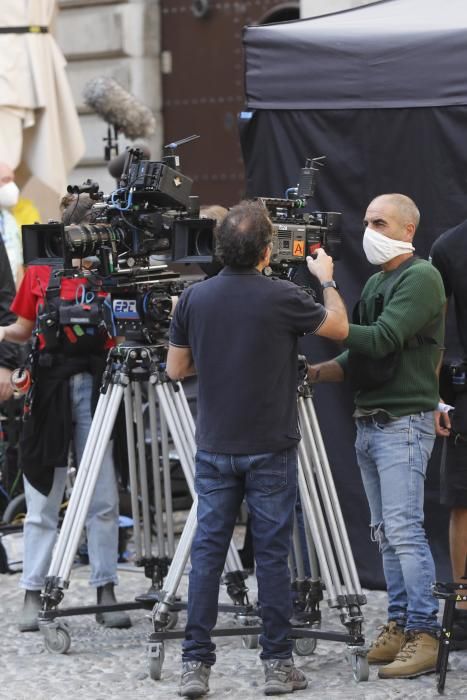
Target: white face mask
[[9, 195], [380, 249]]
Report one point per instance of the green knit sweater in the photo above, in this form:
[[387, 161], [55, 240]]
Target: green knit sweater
[[417, 302]]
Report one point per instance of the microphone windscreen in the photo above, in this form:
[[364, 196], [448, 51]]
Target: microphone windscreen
[[120, 108], [115, 165]]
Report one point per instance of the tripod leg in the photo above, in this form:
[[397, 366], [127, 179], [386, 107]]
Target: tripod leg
[[83, 489], [133, 474], [309, 421], [312, 512], [445, 642], [68, 521], [143, 472], [185, 446], [183, 411], [177, 567], [311, 551], [233, 561], [297, 559], [167, 484], [156, 473], [182, 443]]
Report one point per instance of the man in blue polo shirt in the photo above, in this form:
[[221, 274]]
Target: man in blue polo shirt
[[238, 332]]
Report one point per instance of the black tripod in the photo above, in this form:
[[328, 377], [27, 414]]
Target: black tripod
[[451, 593]]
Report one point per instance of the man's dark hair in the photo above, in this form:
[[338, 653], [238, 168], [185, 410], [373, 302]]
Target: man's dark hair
[[243, 235]]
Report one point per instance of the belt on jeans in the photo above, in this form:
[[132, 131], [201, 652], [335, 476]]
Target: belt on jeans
[[378, 417]]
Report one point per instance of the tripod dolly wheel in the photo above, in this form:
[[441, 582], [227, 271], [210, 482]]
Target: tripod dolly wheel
[[156, 655], [360, 667], [57, 639], [304, 646]]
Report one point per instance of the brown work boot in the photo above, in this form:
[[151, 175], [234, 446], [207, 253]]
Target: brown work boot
[[387, 645], [418, 655]]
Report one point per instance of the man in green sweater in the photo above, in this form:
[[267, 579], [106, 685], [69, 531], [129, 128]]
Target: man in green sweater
[[393, 351]]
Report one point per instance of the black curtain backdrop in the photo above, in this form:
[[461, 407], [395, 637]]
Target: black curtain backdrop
[[419, 152]]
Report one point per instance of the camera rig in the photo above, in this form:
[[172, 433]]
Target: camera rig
[[297, 233], [151, 213], [151, 219]]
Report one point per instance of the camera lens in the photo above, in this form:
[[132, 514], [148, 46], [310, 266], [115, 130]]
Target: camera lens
[[85, 239]]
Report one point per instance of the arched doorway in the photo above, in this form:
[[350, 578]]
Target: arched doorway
[[281, 13]]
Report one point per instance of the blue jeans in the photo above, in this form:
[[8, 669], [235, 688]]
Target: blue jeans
[[393, 459], [40, 527], [269, 484]]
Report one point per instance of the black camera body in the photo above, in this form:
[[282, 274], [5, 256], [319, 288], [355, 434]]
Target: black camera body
[[152, 213], [158, 183], [150, 220], [298, 233]]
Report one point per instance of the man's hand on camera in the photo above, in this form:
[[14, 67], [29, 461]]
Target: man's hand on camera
[[6, 390], [322, 266]]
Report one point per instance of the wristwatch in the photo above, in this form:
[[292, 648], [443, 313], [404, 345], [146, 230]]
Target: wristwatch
[[331, 283]]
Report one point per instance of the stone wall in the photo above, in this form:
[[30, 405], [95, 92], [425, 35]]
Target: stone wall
[[119, 39]]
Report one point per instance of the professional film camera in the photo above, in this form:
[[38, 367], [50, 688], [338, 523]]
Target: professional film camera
[[297, 233], [150, 220], [151, 213]]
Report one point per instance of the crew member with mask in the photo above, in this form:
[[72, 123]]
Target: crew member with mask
[[394, 348], [68, 368], [9, 229]]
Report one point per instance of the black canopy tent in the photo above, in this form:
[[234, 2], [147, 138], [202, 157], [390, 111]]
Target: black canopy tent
[[380, 90]]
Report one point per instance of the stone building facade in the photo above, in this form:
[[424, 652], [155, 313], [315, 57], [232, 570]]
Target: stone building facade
[[124, 39], [119, 39]]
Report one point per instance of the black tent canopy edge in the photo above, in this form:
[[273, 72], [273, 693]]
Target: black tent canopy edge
[[327, 63]]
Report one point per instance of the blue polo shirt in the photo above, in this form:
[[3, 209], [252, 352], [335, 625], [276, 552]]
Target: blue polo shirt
[[243, 330]]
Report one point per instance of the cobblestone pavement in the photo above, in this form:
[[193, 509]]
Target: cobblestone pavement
[[103, 664]]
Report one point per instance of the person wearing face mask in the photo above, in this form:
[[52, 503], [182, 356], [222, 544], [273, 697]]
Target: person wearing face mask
[[9, 229], [393, 351]]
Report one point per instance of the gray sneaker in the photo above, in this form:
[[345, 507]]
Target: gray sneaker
[[282, 677], [195, 679]]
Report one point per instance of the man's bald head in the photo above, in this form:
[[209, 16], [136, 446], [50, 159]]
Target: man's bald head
[[395, 215], [406, 208]]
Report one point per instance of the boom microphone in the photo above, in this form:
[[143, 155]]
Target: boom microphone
[[120, 108], [116, 165]]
